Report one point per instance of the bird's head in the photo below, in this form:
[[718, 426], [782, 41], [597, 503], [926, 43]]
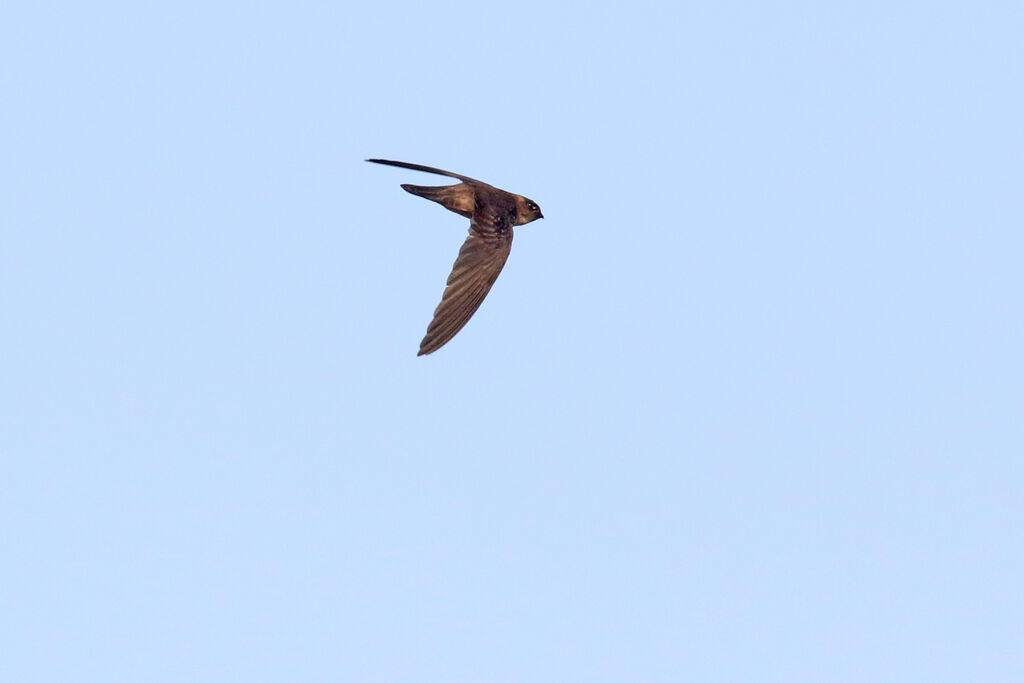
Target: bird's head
[[528, 210]]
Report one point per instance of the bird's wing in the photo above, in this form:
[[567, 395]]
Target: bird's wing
[[425, 169], [480, 260]]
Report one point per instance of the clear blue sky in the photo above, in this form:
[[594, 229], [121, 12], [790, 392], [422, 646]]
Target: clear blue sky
[[747, 406]]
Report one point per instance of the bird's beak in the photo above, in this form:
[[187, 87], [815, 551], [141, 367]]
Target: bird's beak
[[540, 215]]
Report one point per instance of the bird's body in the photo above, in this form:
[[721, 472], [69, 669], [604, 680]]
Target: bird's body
[[492, 213]]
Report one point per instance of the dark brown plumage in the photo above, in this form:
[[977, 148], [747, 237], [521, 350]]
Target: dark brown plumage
[[492, 214]]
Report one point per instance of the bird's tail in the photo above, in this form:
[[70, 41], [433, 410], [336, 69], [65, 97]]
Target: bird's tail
[[457, 198]]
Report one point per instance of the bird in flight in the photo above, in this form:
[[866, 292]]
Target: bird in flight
[[492, 214]]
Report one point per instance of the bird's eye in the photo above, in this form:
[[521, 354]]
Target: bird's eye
[[532, 206]]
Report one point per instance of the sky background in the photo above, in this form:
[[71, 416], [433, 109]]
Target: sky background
[[747, 406]]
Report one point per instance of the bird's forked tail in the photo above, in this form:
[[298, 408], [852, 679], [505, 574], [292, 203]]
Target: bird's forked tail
[[457, 198]]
